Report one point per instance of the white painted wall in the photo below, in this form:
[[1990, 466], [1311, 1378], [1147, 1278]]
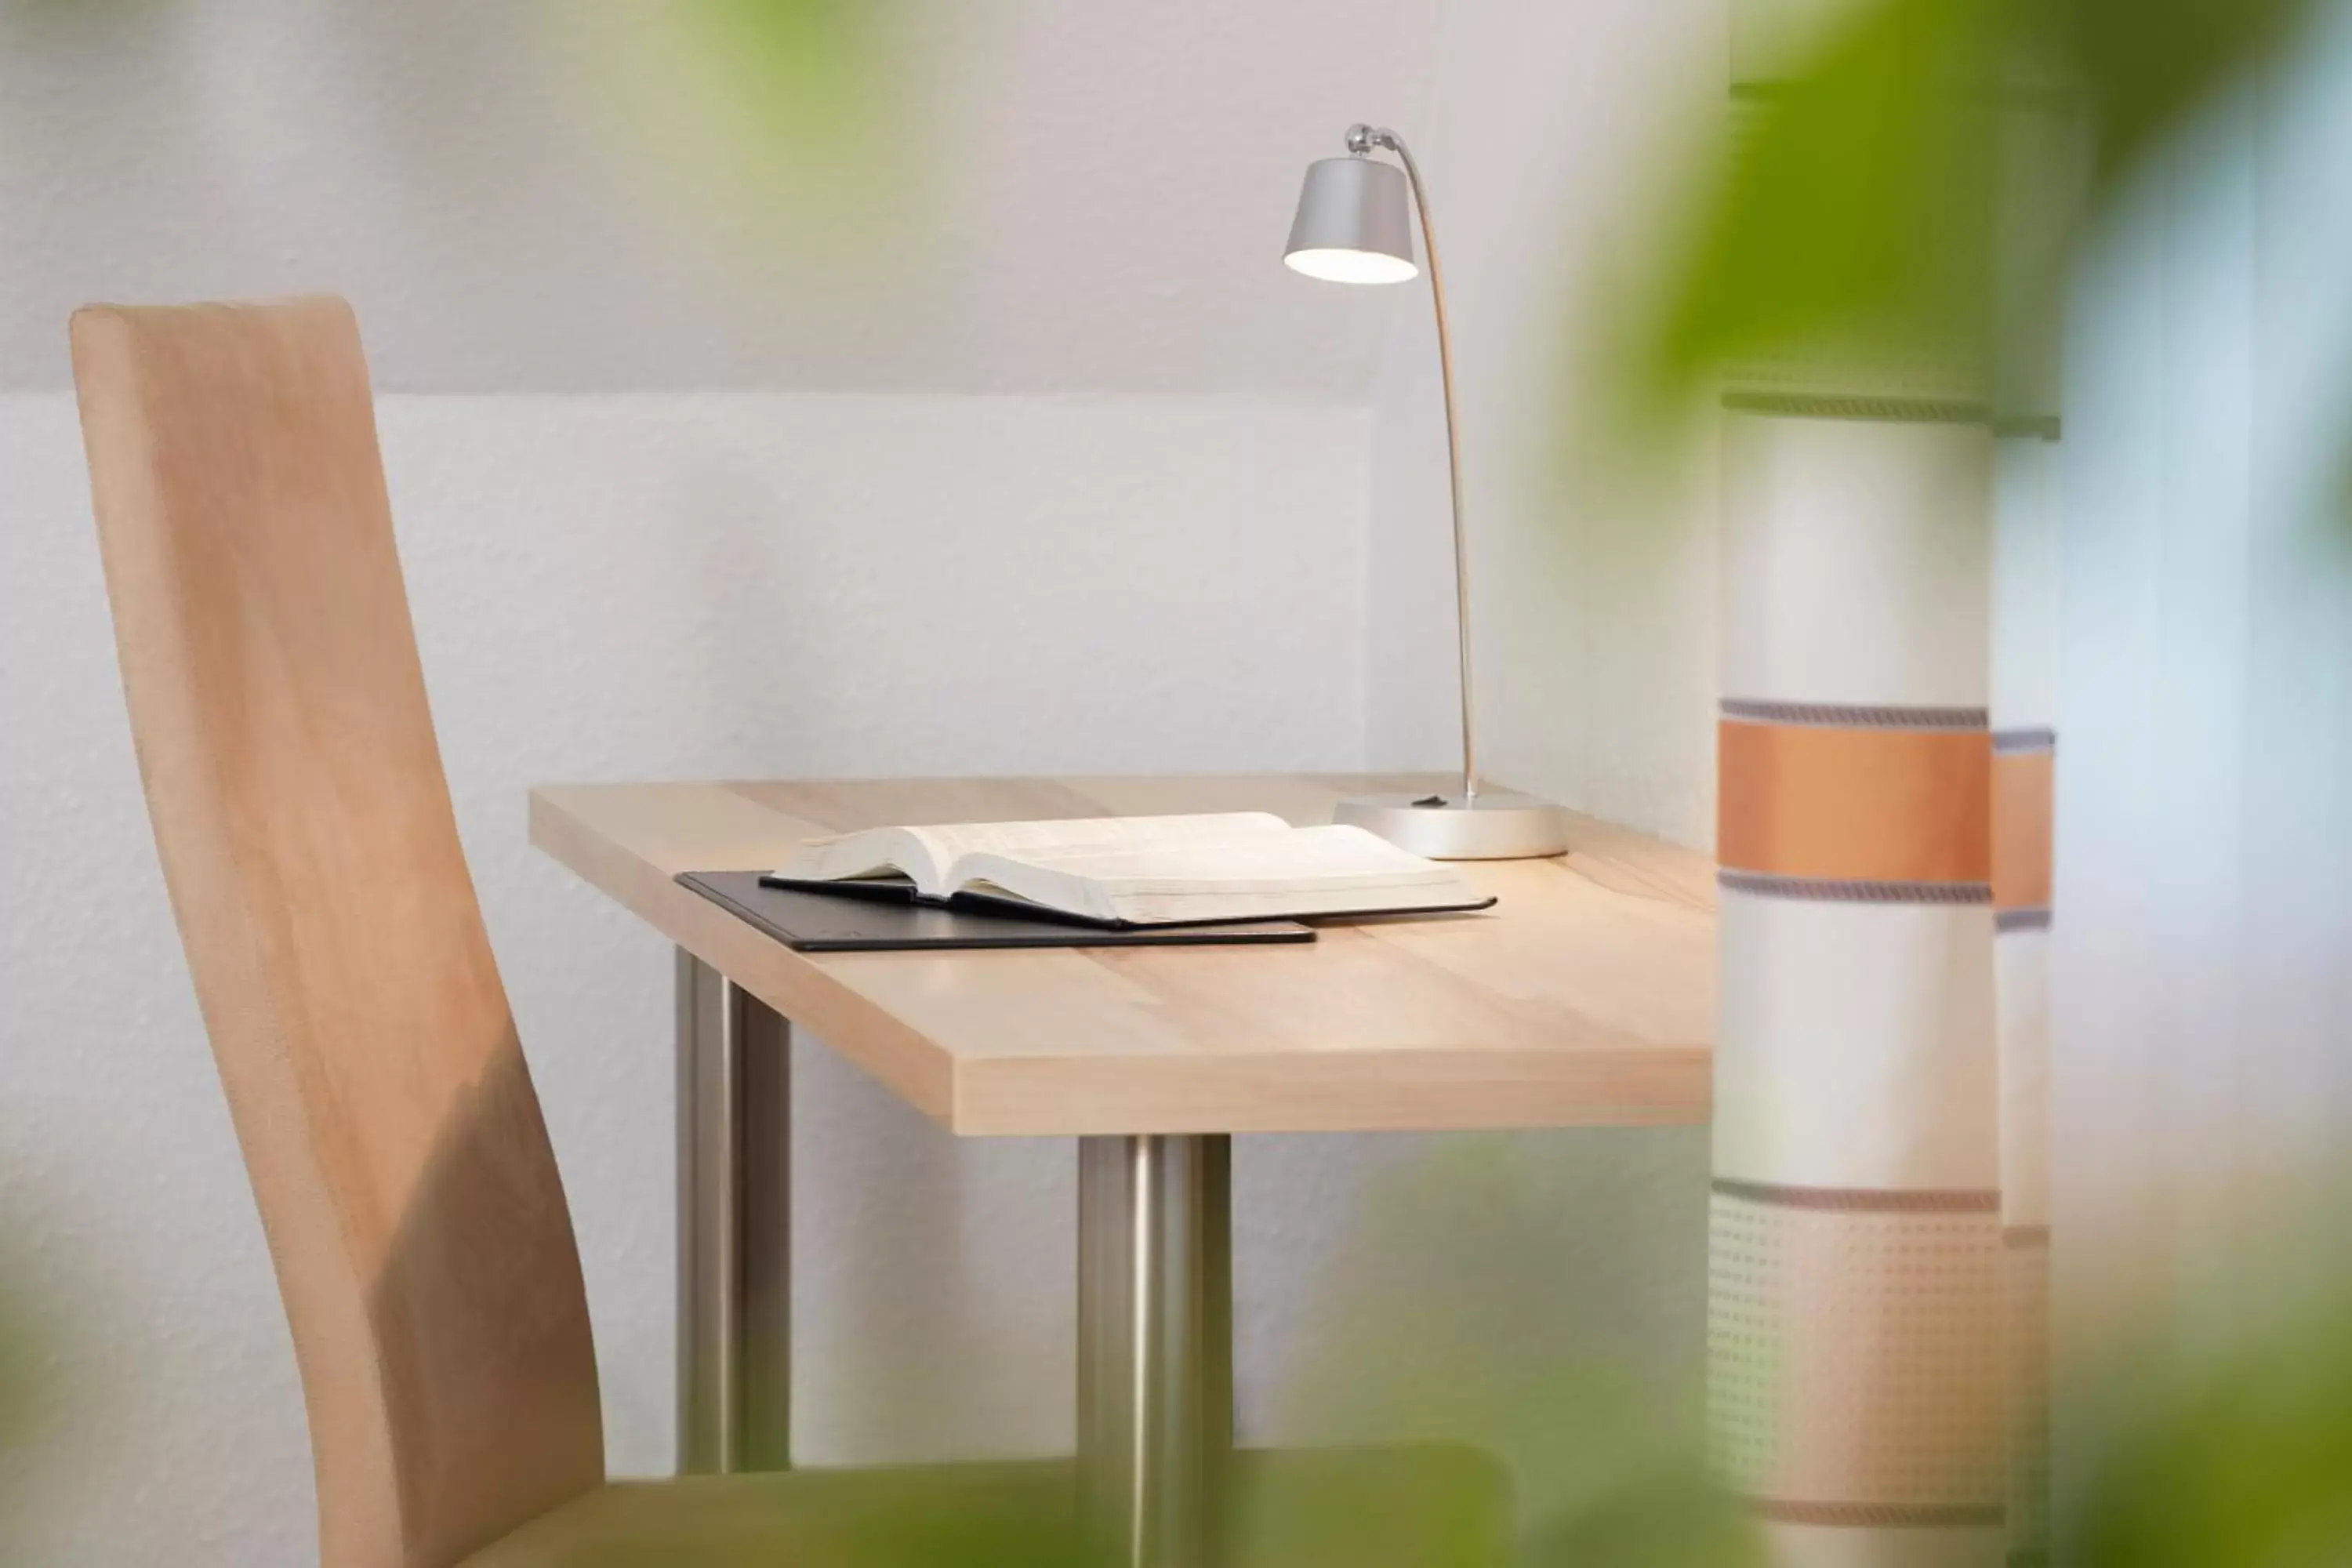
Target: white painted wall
[[1593, 587], [2201, 1087], [1087, 481], [1049, 196]]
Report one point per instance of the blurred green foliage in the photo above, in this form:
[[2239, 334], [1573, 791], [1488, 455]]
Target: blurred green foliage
[[1861, 201], [2235, 1456], [28, 1335], [1434, 1318], [1855, 208], [977, 1532], [17, 1361], [2144, 67], [778, 126], [802, 69]]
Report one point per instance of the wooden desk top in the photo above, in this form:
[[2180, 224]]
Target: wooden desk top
[[1586, 998]]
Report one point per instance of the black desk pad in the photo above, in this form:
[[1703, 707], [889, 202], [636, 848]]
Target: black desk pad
[[825, 923]]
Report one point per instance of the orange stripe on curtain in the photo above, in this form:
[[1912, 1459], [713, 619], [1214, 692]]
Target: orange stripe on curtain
[[2022, 792], [1859, 804]]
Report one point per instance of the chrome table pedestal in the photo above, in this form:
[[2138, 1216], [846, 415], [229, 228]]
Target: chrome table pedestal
[[734, 1227], [1155, 1414], [1155, 1346]]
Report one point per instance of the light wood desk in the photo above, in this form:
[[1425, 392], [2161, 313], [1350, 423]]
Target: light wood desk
[[1586, 998]]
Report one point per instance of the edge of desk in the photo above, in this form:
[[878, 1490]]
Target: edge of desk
[[1421, 1090]]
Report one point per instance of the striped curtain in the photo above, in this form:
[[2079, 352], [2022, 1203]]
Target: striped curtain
[[1880, 1222], [2025, 754], [2041, 143], [1856, 1329], [1880, 1283], [1895, 668]]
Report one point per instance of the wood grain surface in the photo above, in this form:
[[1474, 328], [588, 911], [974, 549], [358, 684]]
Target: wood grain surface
[[1587, 997]]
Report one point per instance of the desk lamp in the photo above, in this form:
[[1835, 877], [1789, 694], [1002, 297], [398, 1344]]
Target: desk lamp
[[1351, 228]]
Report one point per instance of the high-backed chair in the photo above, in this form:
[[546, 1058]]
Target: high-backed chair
[[395, 1146], [394, 1143]]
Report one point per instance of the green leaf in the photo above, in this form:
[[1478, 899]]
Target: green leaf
[[2242, 1458], [2146, 66], [1854, 217], [1854, 226]]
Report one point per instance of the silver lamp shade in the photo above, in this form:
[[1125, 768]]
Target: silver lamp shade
[[1353, 228], [1352, 225]]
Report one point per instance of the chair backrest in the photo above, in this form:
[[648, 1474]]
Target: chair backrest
[[394, 1145]]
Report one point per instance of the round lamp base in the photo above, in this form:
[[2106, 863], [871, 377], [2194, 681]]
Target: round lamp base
[[1502, 825]]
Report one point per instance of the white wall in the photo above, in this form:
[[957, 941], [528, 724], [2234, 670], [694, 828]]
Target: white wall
[[1552, 133], [1204, 564], [1042, 196], [2200, 993], [1594, 584]]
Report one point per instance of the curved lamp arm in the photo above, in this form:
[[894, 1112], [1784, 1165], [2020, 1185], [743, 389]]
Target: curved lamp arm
[[1362, 141]]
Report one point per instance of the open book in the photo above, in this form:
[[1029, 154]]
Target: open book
[[1136, 870]]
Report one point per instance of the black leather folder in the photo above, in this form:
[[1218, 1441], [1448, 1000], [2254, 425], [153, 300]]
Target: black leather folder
[[829, 922]]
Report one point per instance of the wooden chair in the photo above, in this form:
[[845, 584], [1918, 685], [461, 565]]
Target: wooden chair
[[396, 1147]]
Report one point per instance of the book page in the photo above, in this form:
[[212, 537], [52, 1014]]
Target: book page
[[927, 855], [1329, 856], [877, 852], [1333, 870], [950, 842]]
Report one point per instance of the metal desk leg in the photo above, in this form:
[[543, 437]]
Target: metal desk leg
[[734, 1227], [1155, 1344]]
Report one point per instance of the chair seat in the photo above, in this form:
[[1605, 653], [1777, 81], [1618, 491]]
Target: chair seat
[[1417, 1505]]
